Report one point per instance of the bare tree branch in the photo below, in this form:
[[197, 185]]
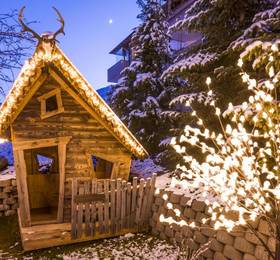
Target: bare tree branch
[[14, 47]]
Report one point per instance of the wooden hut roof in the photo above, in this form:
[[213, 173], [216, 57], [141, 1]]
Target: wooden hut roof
[[49, 56]]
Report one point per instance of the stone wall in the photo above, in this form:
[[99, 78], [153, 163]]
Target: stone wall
[[8, 197], [241, 244]]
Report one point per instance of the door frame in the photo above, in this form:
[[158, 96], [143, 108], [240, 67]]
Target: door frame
[[21, 174]]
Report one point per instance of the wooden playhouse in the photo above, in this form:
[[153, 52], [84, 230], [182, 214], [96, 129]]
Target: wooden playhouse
[[65, 139]]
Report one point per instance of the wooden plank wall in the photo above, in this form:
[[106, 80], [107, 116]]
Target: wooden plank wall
[[88, 136], [123, 206]]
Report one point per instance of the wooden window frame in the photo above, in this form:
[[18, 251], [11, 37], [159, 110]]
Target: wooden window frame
[[114, 161], [42, 99], [21, 173]]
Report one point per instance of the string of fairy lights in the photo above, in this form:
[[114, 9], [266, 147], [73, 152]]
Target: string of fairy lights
[[241, 169], [46, 53]]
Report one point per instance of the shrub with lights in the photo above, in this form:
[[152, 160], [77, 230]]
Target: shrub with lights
[[241, 167]]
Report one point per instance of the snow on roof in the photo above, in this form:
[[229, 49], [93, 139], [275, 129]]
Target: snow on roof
[[46, 54]]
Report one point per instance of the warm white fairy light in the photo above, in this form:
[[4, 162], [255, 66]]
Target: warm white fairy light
[[208, 81], [165, 196], [44, 54], [2, 141], [242, 167]]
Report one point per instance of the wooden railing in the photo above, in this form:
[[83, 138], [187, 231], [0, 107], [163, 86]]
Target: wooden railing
[[110, 206]]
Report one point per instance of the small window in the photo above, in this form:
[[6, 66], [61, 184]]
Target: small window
[[45, 164], [101, 167], [42, 160], [51, 104]]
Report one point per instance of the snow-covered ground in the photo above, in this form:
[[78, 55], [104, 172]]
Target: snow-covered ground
[[128, 247], [139, 246]]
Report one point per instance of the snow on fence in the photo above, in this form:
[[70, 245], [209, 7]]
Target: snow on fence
[[110, 206]]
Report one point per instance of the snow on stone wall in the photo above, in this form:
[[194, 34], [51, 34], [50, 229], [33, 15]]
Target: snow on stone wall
[[239, 245], [8, 197]]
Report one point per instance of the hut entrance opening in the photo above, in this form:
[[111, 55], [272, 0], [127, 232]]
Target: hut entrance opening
[[42, 168]]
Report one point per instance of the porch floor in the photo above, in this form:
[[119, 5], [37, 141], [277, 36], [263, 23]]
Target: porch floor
[[43, 216], [45, 236]]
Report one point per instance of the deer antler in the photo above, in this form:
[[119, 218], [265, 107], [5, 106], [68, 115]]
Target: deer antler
[[25, 28], [61, 20]]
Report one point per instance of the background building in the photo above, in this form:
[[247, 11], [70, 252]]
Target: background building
[[175, 10]]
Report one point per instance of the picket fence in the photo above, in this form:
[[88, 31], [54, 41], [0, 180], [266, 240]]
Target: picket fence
[[110, 206]]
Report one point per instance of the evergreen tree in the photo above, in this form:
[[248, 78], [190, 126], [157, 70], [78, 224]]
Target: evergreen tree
[[140, 95], [226, 27]]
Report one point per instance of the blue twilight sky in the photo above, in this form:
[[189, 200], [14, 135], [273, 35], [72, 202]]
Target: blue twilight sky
[[90, 35]]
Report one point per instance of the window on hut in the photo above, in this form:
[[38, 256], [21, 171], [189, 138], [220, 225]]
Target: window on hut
[[51, 104], [42, 161], [101, 167], [45, 164]]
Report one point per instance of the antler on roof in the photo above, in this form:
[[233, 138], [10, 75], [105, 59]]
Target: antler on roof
[[26, 28], [61, 20]]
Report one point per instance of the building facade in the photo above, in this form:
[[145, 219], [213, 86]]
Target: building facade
[[175, 11]]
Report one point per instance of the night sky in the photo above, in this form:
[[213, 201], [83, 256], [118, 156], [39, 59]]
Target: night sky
[[93, 28]]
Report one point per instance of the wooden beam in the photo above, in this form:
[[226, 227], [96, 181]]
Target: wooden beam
[[45, 236], [49, 94], [39, 143], [36, 85], [23, 199], [90, 165], [115, 170], [62, 162], [118, 157]]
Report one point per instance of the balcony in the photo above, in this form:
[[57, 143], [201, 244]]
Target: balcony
[[114, 73]]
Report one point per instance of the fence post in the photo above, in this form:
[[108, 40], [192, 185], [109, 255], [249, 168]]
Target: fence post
[[151, 198], [113, 206], [128, 205], [123, 204], [118, 205], [93, 209], [87, 210], [74, 209], [145, 202], [133, 202], [81, 191], [106, 205], [139, 201]]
